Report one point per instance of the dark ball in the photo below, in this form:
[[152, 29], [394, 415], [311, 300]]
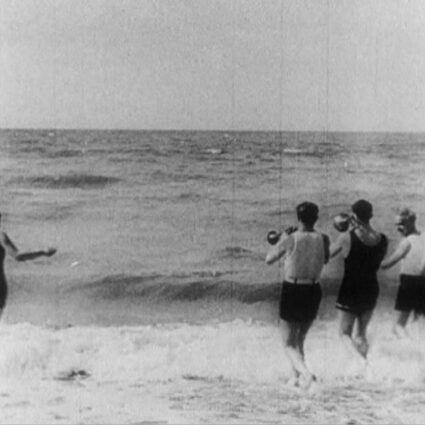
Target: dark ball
[[342, 222], [273, 237]]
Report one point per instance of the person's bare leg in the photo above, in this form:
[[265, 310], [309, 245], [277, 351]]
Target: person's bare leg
[[399, 328], [361, 340], [346, 325], [290, 331], [304, 328]]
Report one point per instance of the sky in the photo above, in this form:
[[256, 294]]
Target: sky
[[297, 65]]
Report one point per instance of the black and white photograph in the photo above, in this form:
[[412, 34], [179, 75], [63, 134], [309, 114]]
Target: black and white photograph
[[212, 212]]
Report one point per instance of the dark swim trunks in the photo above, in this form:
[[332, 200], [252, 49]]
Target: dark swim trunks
[[300, 303], [411, 294]]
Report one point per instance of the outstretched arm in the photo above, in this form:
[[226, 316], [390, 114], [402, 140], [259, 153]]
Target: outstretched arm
[[334, 251], [13, 251], [401, 251], [277, 251]]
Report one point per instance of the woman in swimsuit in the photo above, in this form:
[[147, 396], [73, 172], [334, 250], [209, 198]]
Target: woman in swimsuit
[[363, 249], [8, 247]]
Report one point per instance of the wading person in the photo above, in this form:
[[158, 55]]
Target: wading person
[[411, 253], [363, 249], [8, 247], [305, 251]]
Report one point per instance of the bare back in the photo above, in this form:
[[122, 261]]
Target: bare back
[[368, 235]]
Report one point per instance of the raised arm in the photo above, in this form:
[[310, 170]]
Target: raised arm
[[340, 245], [401, 251], [13, 251], [278, 251]]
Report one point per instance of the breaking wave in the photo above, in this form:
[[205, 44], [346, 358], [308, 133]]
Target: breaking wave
[[179, 287]]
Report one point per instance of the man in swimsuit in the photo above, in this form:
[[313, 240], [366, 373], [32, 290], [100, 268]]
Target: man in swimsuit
[[305, 252], [363, 249], [411, 253], [8, 247]]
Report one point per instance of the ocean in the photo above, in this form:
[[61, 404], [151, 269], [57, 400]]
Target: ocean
[[158, 306]]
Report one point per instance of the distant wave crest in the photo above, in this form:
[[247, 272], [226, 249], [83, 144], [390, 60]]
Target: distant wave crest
[[81, 181], [179, 287], [238, 252]]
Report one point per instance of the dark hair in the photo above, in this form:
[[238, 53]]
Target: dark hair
[[307, 213], [406, 215], [363, 210]]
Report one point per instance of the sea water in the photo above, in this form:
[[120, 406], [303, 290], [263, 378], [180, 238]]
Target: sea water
[[158, 305]]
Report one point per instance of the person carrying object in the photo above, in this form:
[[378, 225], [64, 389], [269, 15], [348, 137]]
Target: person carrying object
[[305, 251], [363, 249]]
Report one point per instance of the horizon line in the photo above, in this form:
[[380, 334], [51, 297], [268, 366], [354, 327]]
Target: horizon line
[[209, 130]]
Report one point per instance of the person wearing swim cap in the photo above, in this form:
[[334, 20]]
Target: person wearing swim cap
[[363, 249], [305, 251], [411, 253]]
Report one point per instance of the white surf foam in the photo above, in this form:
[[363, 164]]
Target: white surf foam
[[242, 350]]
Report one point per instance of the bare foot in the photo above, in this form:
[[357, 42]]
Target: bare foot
[[400, 332], [294, 380], [362, 346], [307, 380]]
